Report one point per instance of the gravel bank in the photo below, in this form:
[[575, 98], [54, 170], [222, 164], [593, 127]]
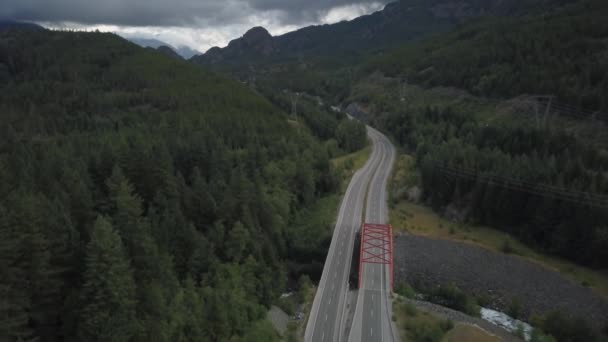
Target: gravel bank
[[502, 278]]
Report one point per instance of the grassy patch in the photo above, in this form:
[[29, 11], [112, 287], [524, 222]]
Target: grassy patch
[[348, 164], [405, 290], [469, 333], [419, 326], [421, 220]]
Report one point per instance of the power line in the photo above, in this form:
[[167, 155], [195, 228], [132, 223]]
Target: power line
[[579, 197]]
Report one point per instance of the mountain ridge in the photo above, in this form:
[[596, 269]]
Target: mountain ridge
[[184, 51], [397, 23]]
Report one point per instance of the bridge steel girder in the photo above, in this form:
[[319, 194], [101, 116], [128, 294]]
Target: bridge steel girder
[[376, 247]]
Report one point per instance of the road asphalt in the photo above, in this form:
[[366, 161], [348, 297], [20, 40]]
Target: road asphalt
[[372, 315]]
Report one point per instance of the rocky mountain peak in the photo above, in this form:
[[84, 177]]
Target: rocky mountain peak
[[256, 34]]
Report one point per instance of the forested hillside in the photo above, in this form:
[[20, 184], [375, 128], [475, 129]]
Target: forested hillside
[[544, 184], [496, 175], [141, 198], [562, 53]]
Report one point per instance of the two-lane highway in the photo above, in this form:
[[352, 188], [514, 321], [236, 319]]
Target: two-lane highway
[[327, 317]]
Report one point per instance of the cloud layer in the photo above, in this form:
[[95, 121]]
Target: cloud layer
[[199, 24], [186, 13]]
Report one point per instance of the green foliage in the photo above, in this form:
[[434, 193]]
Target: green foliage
[[519, 332], [108, 292], [506, 247], [445, 137], [566, 329], [304, 287], [351, 135], [288, 305], [453, 297], [309, 237], [515, 309], [425, 332], [260, 331], [560, 52], [405, 290], [198, 180], [419, 325], [410, 309], [447, 325], [539, 336]]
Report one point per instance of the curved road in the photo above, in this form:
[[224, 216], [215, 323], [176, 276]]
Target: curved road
[[372, 321], [327, 316]]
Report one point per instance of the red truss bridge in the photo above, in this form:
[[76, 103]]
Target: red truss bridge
[[376, 247]]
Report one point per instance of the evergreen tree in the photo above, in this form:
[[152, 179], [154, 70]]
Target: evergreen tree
[[14, 297], [236, 245], [108, 293]]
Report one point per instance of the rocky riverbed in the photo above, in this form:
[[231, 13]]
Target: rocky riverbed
[[500, 278]]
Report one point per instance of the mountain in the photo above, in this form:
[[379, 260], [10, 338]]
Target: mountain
[[397, 23], [4, 25], [184, 51], [507, 57], [256, 43], [145, 192], [149, 42], [168, 52]]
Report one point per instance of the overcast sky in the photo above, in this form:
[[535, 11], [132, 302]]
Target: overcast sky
[[200, 24]]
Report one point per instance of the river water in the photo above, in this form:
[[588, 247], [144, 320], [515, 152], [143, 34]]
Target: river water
[[505, 321]]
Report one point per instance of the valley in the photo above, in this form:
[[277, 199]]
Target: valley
[[409, 171]]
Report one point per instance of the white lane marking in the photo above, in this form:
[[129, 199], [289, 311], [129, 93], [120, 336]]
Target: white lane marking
[[371, 331], [372, 312], [323, 336], [325, 317]]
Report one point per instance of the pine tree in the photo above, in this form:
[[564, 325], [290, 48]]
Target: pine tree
[[108, 293], [238, 237], [14, 299]]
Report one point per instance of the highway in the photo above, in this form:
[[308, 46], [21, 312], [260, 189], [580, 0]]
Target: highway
[[327, 317], [372, 321]]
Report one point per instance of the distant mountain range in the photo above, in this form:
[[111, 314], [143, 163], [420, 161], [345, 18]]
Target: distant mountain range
[[398, 22], [184, 51], [14, 24]]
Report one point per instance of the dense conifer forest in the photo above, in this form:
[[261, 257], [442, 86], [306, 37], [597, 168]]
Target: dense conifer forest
[[537, 185], [561, 52], [544, 184], [143, 198]]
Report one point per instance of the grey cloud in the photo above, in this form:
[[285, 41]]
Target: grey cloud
[[166, 12], [298, 11]]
